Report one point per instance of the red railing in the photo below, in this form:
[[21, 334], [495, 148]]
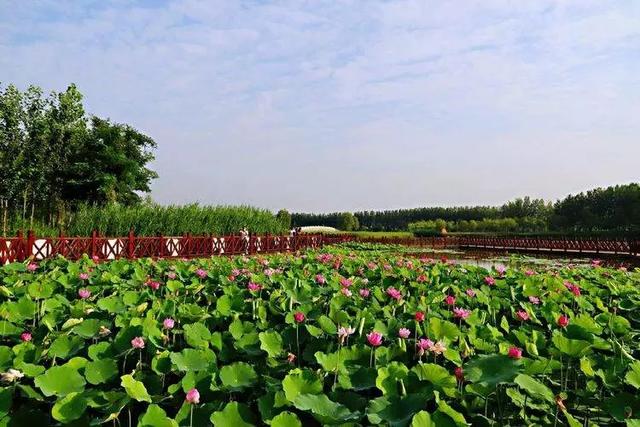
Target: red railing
[[20, 248], [515, 243]]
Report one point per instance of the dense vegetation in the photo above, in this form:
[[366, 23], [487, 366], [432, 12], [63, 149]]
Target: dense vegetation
[[613, 209], [64, 170], [54, 156], [329, 338]]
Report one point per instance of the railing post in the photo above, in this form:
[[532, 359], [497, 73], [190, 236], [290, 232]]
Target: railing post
[[62, 244], [94, 242], [31, 241], [20, 247], [161, 246], [131, 245]]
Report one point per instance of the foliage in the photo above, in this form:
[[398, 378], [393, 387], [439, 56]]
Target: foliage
[[615, 209], [294, 351], [347, 222], [52, 155], [284, 217]]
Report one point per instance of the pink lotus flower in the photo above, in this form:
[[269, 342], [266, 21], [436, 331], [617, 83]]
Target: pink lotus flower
[[343, 333], [137, 342], [534, 300], [459, 373], [320, 279], [153, 285], [32, 266], [387, 267], [235, 272], [501, 269], [171, 275], [364, 292], [438, 348], [489, 280], [254, 287], [346, 292], [84, 293], [522, 315], [596, 263], [421, 278], [193, 396], [345, 283], [83, 276], [424, 344], [399, 263], [95, 258], [201, 273], [529, 273], [291, 357], [299, 317], [374, 338], [371, 265], [419, 316], [404, 333], [450, 300], [231, 278], [394, 293], [25, 336], [563, 321], [515, 353], [269, 272], [470, 293], [461, 313], [168, 323]]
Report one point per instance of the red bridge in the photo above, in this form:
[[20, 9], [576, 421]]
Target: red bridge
[[574, 245], [21, 248]]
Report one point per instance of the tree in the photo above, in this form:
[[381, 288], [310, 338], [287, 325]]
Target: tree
[[53, 156], [109, 165], [347, 222], [284, 217]]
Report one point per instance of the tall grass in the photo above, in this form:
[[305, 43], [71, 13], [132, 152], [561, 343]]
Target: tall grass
[[152, 219]]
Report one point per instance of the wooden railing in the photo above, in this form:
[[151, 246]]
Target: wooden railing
[[575, 245], [21, 248]]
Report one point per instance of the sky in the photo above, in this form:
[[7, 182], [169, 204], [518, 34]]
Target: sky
[[349, 105]]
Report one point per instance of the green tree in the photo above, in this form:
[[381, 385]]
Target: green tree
[[109, 165], [284, 217], [347, 222]]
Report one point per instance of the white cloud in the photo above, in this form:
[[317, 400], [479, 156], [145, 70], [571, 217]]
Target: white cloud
[[379, 104]]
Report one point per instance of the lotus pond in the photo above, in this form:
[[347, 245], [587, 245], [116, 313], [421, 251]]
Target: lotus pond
[[337, 337]]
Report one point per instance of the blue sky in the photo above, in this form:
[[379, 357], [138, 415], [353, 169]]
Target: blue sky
[[347, 105]]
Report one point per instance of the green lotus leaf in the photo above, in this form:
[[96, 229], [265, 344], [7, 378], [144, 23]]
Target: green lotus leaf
[[286, 419], [570, 347], [135, 389], [234, 414], [390, 378], [422, 419], [237, 375], [191, 359], [197, 335], [100, 371], [492, 370], [324, 409], [155, 416], [436, 375], [271, 342], [60, 381], [633, 375], [69, 408], [301, 381], [534, 388], [396, 410]]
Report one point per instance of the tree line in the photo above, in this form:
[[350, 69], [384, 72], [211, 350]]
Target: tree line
[[55, 157], [611, 209]]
